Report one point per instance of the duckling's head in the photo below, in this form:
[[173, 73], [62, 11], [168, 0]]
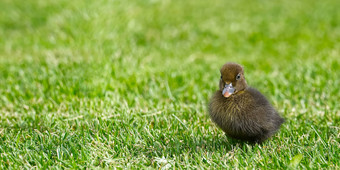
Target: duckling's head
[[232, 79]]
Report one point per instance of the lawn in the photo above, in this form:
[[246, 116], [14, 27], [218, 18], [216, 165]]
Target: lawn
[[125, 84]]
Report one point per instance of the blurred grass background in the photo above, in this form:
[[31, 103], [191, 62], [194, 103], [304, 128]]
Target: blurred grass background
[[126, 83]]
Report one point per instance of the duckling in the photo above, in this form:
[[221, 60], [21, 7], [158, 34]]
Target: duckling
[[240, 111]]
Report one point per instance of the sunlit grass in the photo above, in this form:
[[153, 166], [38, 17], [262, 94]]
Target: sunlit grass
[[126, 83]]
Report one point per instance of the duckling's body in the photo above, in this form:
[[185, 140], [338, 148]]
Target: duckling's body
[[244, 114]]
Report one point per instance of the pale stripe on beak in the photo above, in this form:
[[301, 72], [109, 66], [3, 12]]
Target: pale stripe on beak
[[228, 90]]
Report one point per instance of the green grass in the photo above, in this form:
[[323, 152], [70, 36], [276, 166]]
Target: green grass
[[100, 84]]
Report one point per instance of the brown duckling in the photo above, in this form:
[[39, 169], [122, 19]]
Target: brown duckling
[[242, 112]]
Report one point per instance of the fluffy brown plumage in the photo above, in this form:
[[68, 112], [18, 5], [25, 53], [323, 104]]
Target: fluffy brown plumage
[[240, 111]]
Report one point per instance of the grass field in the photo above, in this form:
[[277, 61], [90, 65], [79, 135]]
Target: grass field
[[114, 83]]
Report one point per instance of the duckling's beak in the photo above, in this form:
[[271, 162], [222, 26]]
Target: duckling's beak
[[228, 90]]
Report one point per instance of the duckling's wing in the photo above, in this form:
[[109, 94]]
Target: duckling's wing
[[258, 97], [270, 118]]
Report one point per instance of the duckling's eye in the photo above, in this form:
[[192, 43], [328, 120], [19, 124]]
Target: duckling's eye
[[221, 77], [238, 76]]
